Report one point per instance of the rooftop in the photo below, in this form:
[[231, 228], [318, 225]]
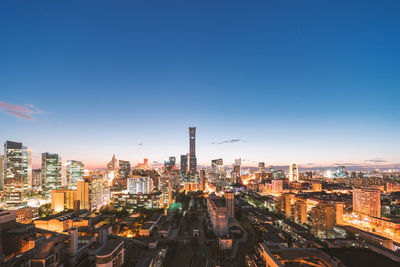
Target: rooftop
[[174, 206], [110, 247]]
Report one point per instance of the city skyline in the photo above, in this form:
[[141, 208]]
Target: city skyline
[[311, 83]]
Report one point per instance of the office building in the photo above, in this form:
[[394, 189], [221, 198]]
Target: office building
[[63, 200], [203, 179], [140, 185], [124, 172], [367, 201], [27, 167], [96, 193], [216, 164], [218, 213], [74, 172], [1, 172], [293, 172], [113, 164], [82, 194], [51, 171], [184, 164], [169, 164], [13, 172], [37, 178], [192, 150], [230, 204], [261, 166]]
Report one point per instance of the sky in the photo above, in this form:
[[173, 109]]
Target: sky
[[315, 82]]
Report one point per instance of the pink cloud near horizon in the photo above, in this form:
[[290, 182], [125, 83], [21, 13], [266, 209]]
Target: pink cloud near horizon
[[20, 111]]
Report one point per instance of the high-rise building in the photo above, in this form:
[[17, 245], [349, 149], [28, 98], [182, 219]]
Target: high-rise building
[[13, 172], [36, 178], [74, 171], [124, 172], [184, 161], [230, 199], [51, 171], [192, 150], [202, 179], [235, 174], [62, 200], [82, 194], [124, 169], [27, 166], [96, 193], [339, 213], [113, 164], [170, 164], [293, 173], [367, 201], [140, 185], [1, 172], [261, 166], [322, 220], [216, 164], [218, 213]]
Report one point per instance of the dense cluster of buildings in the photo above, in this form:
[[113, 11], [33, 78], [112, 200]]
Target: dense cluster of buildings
[[63, 214]]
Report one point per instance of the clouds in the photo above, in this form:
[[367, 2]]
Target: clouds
[[231, 141], [20, 111], [376, 160]]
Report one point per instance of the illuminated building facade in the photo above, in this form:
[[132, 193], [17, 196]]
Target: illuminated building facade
[[230, 201], [51, 171], [124, 172], [192, 150], [322, 220], [1, 172], [202, 179], [367, 201], [140, 185], [63, 200], [27, 167], [293, 172], [184, 164], [13, 172], [74, 172], [36, 178], [218, 213]]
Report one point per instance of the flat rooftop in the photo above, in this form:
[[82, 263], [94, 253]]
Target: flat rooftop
[[354, 257], [174, 206], [110, 247]]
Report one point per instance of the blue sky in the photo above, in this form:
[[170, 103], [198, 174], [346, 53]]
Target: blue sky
[[310, 81]]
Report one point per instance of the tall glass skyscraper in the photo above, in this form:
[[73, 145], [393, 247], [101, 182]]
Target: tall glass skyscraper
[[13, 172], [27, 167], [74, 173], [51, 171], [192, 150]]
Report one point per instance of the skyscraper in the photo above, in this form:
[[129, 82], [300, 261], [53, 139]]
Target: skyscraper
[[229, 199], [27, 166], [261, 166], [203, 179], [183, 164], [124, 172], [1, 172], [367, 201], [13, 172], [51, 171], [192, 149], [293, 172], [74, 173]]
